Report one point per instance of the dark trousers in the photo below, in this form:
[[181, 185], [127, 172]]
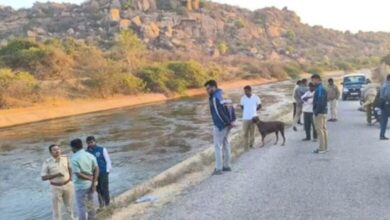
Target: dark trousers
[[103, 190], [309, 125], [295, 112], [384, 120]]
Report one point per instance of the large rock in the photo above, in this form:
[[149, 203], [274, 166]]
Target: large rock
[[151, 31], [167, 4]]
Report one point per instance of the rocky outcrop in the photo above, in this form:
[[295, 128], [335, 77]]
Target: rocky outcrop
[[267, 34]]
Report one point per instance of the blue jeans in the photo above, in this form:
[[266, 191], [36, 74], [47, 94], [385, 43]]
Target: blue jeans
[[85, 204], [384, 120]]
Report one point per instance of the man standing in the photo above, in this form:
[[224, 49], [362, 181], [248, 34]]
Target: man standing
[[250, 104], [320, 110], [302, 89], [385, 107], [295, 102], [308, 117], [104, 162], [57, 170], [223, 119], [333, 97], [85, 173]]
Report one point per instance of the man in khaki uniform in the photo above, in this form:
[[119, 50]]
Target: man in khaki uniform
[[250, 104], [57, 170], [333, 97]]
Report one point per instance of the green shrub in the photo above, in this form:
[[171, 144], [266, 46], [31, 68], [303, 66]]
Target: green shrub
[[239, 23], [192, 72], [293, 70], [291, 36], [223, 48], [130, 84], [19, 85], [155, 78], [386, 59]]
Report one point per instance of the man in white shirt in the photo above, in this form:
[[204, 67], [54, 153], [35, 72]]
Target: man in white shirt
[[250, 104], [308, 116]]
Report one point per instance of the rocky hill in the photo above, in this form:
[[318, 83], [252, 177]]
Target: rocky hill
[[193, 27]]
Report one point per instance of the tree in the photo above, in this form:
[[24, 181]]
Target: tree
[[130, 49]]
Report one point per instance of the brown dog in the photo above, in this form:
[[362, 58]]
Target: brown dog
[[266, 128]]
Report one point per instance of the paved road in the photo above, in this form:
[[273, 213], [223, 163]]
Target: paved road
[[352, 181]]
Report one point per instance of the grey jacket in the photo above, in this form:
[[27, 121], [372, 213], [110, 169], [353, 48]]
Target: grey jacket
[[299, 93]]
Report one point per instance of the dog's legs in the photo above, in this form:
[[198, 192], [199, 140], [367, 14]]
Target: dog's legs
[[284, 138], [277, 137], [262, 140]]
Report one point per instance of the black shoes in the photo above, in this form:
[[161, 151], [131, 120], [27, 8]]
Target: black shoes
[[384, 138], [295, 128], [217, 172], [306, 139], [226, 169]]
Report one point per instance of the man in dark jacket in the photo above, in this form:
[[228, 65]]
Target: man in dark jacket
[[320, 110], [223, 119], [384, 97], [104, 163]]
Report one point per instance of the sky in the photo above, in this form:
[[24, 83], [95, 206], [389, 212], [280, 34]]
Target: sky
[[352, 15]]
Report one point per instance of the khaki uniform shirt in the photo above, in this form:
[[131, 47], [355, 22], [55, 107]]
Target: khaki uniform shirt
[[52, 166]]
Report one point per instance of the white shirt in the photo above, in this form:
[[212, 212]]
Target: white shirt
[[108, 160], [308, 104], [250, 106]]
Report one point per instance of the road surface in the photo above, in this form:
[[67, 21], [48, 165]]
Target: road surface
[[352, 181]]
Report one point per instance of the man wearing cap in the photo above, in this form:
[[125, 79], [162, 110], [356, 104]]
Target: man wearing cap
[[104, 163], [57, 171]]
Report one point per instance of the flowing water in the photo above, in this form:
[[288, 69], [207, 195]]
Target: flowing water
[[142, 142]]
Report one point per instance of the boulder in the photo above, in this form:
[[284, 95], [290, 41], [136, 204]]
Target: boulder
[[151, 31], [124, 24], [136, 21]]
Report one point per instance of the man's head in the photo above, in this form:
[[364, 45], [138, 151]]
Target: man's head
[[298, 82], [316, 79], [248, 91], [331, 82], [304, 82], [55, 150], [76, 145], [388, 77], [211, 86], [91, 141], [311, 87]]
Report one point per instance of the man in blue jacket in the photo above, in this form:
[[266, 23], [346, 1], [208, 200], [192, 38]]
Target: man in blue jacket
[[223, 119], [104, 163], [320, 111]]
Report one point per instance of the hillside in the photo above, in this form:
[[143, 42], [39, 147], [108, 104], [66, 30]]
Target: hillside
[[183, 25], [233, 41]]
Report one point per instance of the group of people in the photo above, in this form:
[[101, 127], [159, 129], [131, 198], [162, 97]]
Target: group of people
[[79, 177], [312, 100]]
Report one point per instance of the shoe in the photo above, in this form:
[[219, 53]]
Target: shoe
[[299, 123], [384, 138], [335, 119], [295, 128], [314, 140], [318, 151], [305, 139], [226, 169], [217, 172]]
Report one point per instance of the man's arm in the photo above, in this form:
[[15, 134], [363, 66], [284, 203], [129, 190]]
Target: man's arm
[[45, 174], [95, 176], [108, 159], [258, 103]]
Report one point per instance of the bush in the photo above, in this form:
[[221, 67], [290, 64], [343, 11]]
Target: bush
[[223, 48], [293, 70], [155, 78], [386, 59], [239, 23], [130, 84], [192, 72]]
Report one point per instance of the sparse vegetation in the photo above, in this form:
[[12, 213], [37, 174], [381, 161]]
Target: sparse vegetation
[[223, 48]]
